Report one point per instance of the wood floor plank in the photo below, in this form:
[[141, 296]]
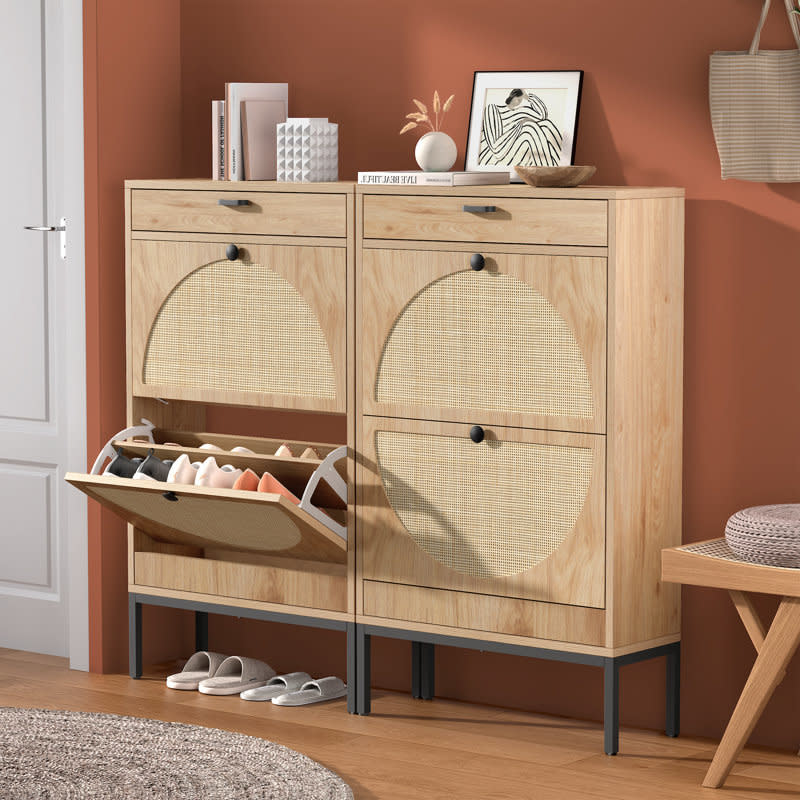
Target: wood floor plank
[[440, 750]]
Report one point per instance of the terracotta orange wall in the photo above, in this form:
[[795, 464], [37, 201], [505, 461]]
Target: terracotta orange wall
[[132, 129], [644, 120]]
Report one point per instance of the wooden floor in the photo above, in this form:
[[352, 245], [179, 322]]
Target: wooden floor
[[417, 749]]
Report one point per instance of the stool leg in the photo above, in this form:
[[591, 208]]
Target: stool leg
[[611, 706], [200, 630], [673, 707], [363, 670], [773, 657], [134, 637]]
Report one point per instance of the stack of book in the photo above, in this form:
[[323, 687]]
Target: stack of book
[[244, 131], [419, 178]]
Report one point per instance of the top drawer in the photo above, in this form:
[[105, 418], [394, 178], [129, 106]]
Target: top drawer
[[270, 213], [461, 219]]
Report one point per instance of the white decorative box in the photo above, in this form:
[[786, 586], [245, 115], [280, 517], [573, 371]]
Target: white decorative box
[[308, 150]]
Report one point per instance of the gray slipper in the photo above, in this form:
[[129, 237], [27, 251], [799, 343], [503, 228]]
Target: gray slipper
[[313, 692], [235, 674], [280, 684], [200, 666]]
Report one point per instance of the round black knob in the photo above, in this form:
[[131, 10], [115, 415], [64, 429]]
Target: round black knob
[[477, 434], [232, 252], [477, 262]]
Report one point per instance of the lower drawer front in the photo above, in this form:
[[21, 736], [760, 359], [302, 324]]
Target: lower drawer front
[[517, 513], [307, 585], [484, 613]]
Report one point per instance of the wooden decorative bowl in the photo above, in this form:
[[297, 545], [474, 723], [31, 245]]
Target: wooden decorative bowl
[[555, 176]]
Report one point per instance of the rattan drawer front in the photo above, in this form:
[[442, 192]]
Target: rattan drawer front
[[267, 329], [522, 221], [269, 213], [520, 514], [521, 342], [204, 517]]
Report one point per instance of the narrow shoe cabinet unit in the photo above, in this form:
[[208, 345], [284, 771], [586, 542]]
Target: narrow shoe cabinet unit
[[510, 363], [236, 295]]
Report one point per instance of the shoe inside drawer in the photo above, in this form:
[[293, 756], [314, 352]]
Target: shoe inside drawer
[[208, 517]]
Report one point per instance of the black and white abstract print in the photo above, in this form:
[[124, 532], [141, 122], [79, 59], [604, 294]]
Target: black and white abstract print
[[519, 131]]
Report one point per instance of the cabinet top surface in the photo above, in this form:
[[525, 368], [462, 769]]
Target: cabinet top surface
[[348, 187]]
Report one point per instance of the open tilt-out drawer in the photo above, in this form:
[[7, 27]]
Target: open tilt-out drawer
[[233, 543]]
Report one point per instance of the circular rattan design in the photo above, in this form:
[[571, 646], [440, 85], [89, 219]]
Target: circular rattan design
[[766, 535], [484, 341], [490, 510], [67, 754], [239, 326]]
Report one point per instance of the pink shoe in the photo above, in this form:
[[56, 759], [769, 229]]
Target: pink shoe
[[271, 485]]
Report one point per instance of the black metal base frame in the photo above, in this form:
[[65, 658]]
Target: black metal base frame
[[201, 612], [423, 677], [423, 654]]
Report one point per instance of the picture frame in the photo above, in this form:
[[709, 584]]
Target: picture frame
[[525, 118]]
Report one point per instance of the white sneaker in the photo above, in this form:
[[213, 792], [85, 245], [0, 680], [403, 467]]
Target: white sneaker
[[284, 450], [183, 470], [215, 477], [243, 451]]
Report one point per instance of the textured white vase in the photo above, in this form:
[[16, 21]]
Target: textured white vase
[[435, 152]]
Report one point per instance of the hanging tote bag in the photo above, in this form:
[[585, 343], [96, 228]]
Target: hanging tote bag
[[755, 109]]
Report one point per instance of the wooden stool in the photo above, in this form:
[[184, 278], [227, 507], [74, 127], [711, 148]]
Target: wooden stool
[[713, 563]]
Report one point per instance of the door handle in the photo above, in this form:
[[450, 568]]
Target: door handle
[[480, 209], [224, 201], [61, 228]]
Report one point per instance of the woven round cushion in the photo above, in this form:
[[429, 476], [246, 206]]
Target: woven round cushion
[[766, 535]]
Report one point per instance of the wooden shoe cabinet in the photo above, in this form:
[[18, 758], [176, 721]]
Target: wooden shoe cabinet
[[510, 363], [236, 297], [519, 402]]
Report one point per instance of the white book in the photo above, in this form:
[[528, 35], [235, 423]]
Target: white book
[[218, 140], [235, 93], [419, 178]]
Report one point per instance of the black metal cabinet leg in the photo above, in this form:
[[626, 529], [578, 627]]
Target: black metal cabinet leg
[[416, 670], [611, 706], [352, 669], [363, 670], [200, 630], [673, 709], [134, 637], [427, 661]]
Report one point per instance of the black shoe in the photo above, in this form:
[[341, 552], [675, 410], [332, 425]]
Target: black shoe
[[152, 468], [122, 466]]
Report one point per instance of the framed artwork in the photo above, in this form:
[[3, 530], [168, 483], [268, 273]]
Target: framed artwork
[[528, 118]]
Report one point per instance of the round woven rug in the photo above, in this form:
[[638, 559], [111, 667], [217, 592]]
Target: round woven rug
[[69, 754]]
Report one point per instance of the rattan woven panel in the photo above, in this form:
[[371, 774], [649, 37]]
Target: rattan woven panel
[[485, 341], [488, 510], [259, 527], [237, 326]]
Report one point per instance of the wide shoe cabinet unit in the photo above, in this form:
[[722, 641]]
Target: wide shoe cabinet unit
[[236, 296], [519, 424], [510, 363]]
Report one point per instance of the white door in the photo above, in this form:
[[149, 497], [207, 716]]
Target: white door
[[43, 564]]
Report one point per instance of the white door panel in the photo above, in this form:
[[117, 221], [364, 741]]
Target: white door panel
[[42, 395]]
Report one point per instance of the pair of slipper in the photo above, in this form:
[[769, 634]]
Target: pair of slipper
[[214, 673]]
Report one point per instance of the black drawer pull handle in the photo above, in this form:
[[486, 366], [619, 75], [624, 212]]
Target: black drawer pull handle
[[477, 262], [170, 496], [232, 252], [224, 201], [477, 434], [480, 209]]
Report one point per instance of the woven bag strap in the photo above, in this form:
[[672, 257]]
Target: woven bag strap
[[793, 24]]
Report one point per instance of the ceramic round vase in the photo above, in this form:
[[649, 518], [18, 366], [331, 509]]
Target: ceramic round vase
[[435, 152]]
